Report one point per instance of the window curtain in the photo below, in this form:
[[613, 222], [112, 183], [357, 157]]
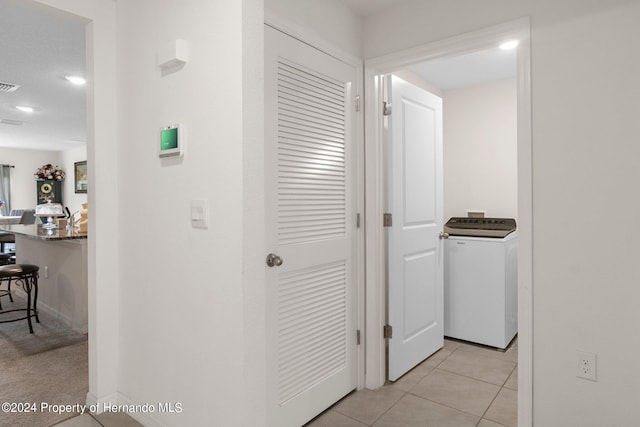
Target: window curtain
[[5, 188]]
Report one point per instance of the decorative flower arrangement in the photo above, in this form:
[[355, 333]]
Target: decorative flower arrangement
[[49, 172]]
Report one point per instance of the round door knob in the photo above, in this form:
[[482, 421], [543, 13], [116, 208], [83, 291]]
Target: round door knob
[[444, 235], [274, 260]]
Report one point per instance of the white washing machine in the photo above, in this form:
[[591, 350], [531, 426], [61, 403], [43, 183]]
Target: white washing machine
[[481, 281]]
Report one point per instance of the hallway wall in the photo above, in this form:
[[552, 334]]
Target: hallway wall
[[181, 305], [330, 20]]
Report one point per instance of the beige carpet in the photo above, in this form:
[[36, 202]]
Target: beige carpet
[[49, 366]]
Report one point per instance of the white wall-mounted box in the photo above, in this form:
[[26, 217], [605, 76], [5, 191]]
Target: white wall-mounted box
[[173, 54]]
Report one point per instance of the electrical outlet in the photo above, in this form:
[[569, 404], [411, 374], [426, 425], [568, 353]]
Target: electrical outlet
[[586, 365]]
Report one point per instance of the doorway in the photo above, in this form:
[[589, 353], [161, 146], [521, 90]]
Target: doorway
[[375, 208], [45, 50], [101, 114]]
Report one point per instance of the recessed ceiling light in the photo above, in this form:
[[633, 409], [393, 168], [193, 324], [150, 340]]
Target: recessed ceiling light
[[24, 109], [512, 44], [76, 80]]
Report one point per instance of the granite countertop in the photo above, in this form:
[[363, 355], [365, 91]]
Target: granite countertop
[[9, 219], [36, 231]]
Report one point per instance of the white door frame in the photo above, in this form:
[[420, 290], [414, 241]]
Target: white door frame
[[375, 179]]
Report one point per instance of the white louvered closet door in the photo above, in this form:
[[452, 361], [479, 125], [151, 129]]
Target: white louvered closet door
[[309, 162]]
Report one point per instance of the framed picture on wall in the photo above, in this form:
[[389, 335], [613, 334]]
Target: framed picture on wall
[[80, 176]]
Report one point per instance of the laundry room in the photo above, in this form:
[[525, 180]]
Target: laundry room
[[480, 201]]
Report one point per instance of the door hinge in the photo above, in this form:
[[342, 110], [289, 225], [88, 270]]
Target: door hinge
[[387, 220], [358, 220], [357, 102], [387, 332], [386, 108], [358, 337]]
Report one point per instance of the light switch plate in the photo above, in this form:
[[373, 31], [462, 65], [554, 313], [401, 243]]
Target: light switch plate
[[199, 214]]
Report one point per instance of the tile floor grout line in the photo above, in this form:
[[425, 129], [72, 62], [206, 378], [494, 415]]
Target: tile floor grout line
[[489, 419], [461, 348], [484, 356], [477, 351], [476, 379], [492, 400], [464, 376], [332, 408], [447, 406], [496, 396], [97, 420], [385, 412], [487, 410], [344, 415]]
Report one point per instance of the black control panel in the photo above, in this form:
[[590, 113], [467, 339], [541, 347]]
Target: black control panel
[[480, 227]]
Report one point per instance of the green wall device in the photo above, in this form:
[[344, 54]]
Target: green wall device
[[171, 141]]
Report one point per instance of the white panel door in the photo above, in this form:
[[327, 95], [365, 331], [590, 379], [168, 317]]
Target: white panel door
[[415, 250], [309, 162]]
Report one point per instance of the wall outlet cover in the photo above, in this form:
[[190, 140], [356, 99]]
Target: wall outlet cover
[[586, 365]]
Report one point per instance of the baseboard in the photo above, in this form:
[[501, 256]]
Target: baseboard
[[142, 413], [98, 404], [117, 402], [81, 329]]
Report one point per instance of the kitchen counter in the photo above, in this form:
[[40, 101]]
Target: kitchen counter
[[36, 231], [63, 279], [5, 219]]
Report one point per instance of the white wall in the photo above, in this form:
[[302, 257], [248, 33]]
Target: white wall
[[26, 162], [253, 239], [181, 307], [585, 151], [480, 150], [329, 19]]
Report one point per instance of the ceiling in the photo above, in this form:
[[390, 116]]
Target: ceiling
[[450, 73], [38, 50], [467, 70], [370, 7]]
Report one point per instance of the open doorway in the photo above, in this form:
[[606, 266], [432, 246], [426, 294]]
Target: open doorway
[[98, 19], [471, 99], [454, 282], [44, 50], [376, 234]]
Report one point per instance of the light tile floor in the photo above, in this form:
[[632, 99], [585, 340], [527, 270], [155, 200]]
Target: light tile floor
[[106, 419], [461, 385]]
